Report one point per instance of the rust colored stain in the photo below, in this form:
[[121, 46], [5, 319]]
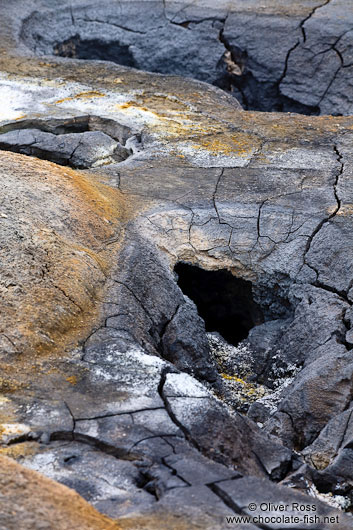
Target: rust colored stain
[[55, 257], [82, 95]]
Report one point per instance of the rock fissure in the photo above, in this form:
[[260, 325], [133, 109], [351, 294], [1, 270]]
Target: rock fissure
[[81, 143], [311, 14], [175, 472], [131, 291], [165, 327], [69, 298], [114, 414], [214, 198], [283, 75], [255, 94], [117, 452], [170, 412], [330, 216], [236, 70], [72, 417], [345, 431], [334, 77], [109, 23], [328, 288], [228, 501], [152, 437]]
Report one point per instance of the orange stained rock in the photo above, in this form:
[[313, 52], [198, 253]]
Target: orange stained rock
[[175, 111], [228, 131], [20, 450], [82, 95], [345, 210], [239, 144], [30, 500], [55, 224]]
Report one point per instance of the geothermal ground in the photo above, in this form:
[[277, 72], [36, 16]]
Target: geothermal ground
[[176, 227]]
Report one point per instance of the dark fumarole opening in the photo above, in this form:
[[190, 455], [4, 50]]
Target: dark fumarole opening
[[95, 49], [224, 302]]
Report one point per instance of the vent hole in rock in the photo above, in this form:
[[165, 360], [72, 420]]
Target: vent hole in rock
[[224, 302], [95, 49]]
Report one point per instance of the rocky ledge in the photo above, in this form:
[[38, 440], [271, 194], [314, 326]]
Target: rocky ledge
[[176, 272]]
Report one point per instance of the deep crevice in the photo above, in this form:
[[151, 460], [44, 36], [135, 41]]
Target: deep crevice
[[95, 50], [311, 14], [224, 302], [81, 142], [169, 410], [147, 482], [175, 473], [228, 501], [253, 94]]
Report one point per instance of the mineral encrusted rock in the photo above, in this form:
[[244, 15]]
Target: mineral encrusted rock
[[111, 383]]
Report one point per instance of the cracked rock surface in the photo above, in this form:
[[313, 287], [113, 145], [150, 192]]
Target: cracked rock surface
[[111, 382], [29, 500], [304, 64]]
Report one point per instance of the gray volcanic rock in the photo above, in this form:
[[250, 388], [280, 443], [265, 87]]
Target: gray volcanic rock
[[327, 62], [262, 502], [81, 150], [331, 454], [108, 383], [304, 64], [192, 410], [185, 343], [319, 392]]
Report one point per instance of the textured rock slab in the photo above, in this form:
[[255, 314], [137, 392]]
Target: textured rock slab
[[262, 502], [81, 150], [227, 44], [126, 452], [29, 500]]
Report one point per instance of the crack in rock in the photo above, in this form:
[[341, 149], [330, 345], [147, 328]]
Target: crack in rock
[[235, 60], [84, 147]]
